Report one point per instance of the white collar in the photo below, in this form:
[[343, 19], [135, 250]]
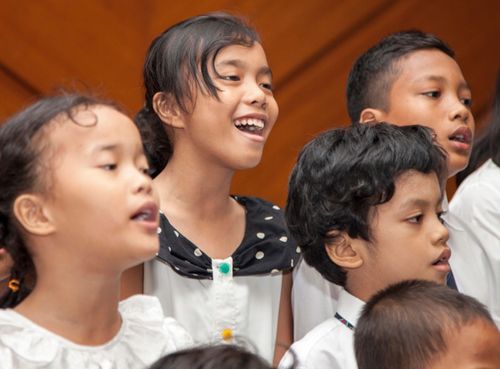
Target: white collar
[[349, 307]]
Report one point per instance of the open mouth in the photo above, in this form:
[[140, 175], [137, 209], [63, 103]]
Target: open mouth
[[250, 125], [147, 213], [462, 135]]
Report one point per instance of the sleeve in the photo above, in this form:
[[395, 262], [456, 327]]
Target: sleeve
[[476, 243], [180, 336]]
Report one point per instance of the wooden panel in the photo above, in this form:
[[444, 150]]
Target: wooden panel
[[293, 32], [311, 46], [315, 101], [14, 94], [55, 43]]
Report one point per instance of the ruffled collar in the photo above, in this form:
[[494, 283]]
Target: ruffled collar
[[141, 340], [267, 246]]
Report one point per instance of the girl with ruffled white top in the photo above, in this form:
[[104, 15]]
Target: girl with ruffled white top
[[77, 208]]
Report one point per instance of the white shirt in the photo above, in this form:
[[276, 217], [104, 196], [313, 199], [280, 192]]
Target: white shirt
[[226, 306], [145, 335], [474, 222], [331, 344], [314, 299]]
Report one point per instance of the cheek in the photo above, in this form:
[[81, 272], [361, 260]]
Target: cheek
[[273, 111]]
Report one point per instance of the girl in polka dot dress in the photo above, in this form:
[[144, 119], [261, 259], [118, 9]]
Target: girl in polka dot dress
[[224, 263], [76, 209]]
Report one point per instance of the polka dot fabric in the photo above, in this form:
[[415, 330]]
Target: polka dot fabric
[[267, 246]]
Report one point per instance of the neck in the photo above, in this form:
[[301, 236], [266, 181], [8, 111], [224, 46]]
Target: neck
[[80, 308], [198, 188], [359, 286]]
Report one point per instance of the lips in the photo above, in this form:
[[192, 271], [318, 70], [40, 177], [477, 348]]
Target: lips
[[253, 123], [462, 135], [147, 213], [443, 258]]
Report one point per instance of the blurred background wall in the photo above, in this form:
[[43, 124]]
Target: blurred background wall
[[310, 44]]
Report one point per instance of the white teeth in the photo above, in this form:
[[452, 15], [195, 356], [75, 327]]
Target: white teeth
[[143, 216], [254, 124]]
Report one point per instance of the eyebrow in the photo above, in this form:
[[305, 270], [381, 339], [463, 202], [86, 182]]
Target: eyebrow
[[105, 147], [463, 85], [418, 202], [264, 70]]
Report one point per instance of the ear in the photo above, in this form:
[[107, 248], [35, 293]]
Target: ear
[[343, 250], [371, 115], [30, 212], [168, 110]]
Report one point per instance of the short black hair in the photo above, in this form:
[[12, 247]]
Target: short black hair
[[372, 75], [406, 324], [212, 357], [177, 61], [343, 173]]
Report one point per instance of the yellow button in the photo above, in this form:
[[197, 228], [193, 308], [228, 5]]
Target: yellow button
[[227, 334]]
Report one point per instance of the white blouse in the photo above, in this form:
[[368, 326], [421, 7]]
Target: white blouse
[[145, 335], [216, 310]]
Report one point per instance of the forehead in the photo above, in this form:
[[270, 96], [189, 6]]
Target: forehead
[[427, 64], [411, 188], [89, 125], [476, 345], [241, 53]]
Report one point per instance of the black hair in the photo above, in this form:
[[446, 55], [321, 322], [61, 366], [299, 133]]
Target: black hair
[[176, 62], [343, 173], [406, 324], [212, 357], [372, 75], [22, 144], [487, 145]]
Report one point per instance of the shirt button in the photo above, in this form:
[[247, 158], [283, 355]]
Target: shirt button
[[227, 334], [224, 268]]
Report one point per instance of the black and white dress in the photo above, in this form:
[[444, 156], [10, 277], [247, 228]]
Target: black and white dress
[[216, 299]]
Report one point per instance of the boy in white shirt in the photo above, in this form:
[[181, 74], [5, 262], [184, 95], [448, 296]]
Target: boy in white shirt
[[407, 78], [364, 203]]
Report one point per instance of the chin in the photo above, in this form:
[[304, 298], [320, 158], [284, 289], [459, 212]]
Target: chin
[[247, 163], [456, 166], [147, 251]]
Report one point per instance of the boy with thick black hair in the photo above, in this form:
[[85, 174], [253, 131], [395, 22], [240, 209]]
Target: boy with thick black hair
[[364, 203], [419, 324], [407, 78]]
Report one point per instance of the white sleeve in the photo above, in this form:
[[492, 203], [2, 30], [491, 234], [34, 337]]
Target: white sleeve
[[314, 299], [475, 243]]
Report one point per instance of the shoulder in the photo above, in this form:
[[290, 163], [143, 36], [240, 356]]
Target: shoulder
[[266, 217], [481, 184], [145, 321], [260, 206], [21, 341], [479, 194], [321, 347], [266, 237]]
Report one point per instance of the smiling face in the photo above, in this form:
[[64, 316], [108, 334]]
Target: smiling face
[[231, 131], [431, 90], [101, 200], [474, 346], [408, 237]]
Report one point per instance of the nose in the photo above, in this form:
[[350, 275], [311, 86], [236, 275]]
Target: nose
[[440, 233], [142, 183], [460, 112], [255, 95]]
